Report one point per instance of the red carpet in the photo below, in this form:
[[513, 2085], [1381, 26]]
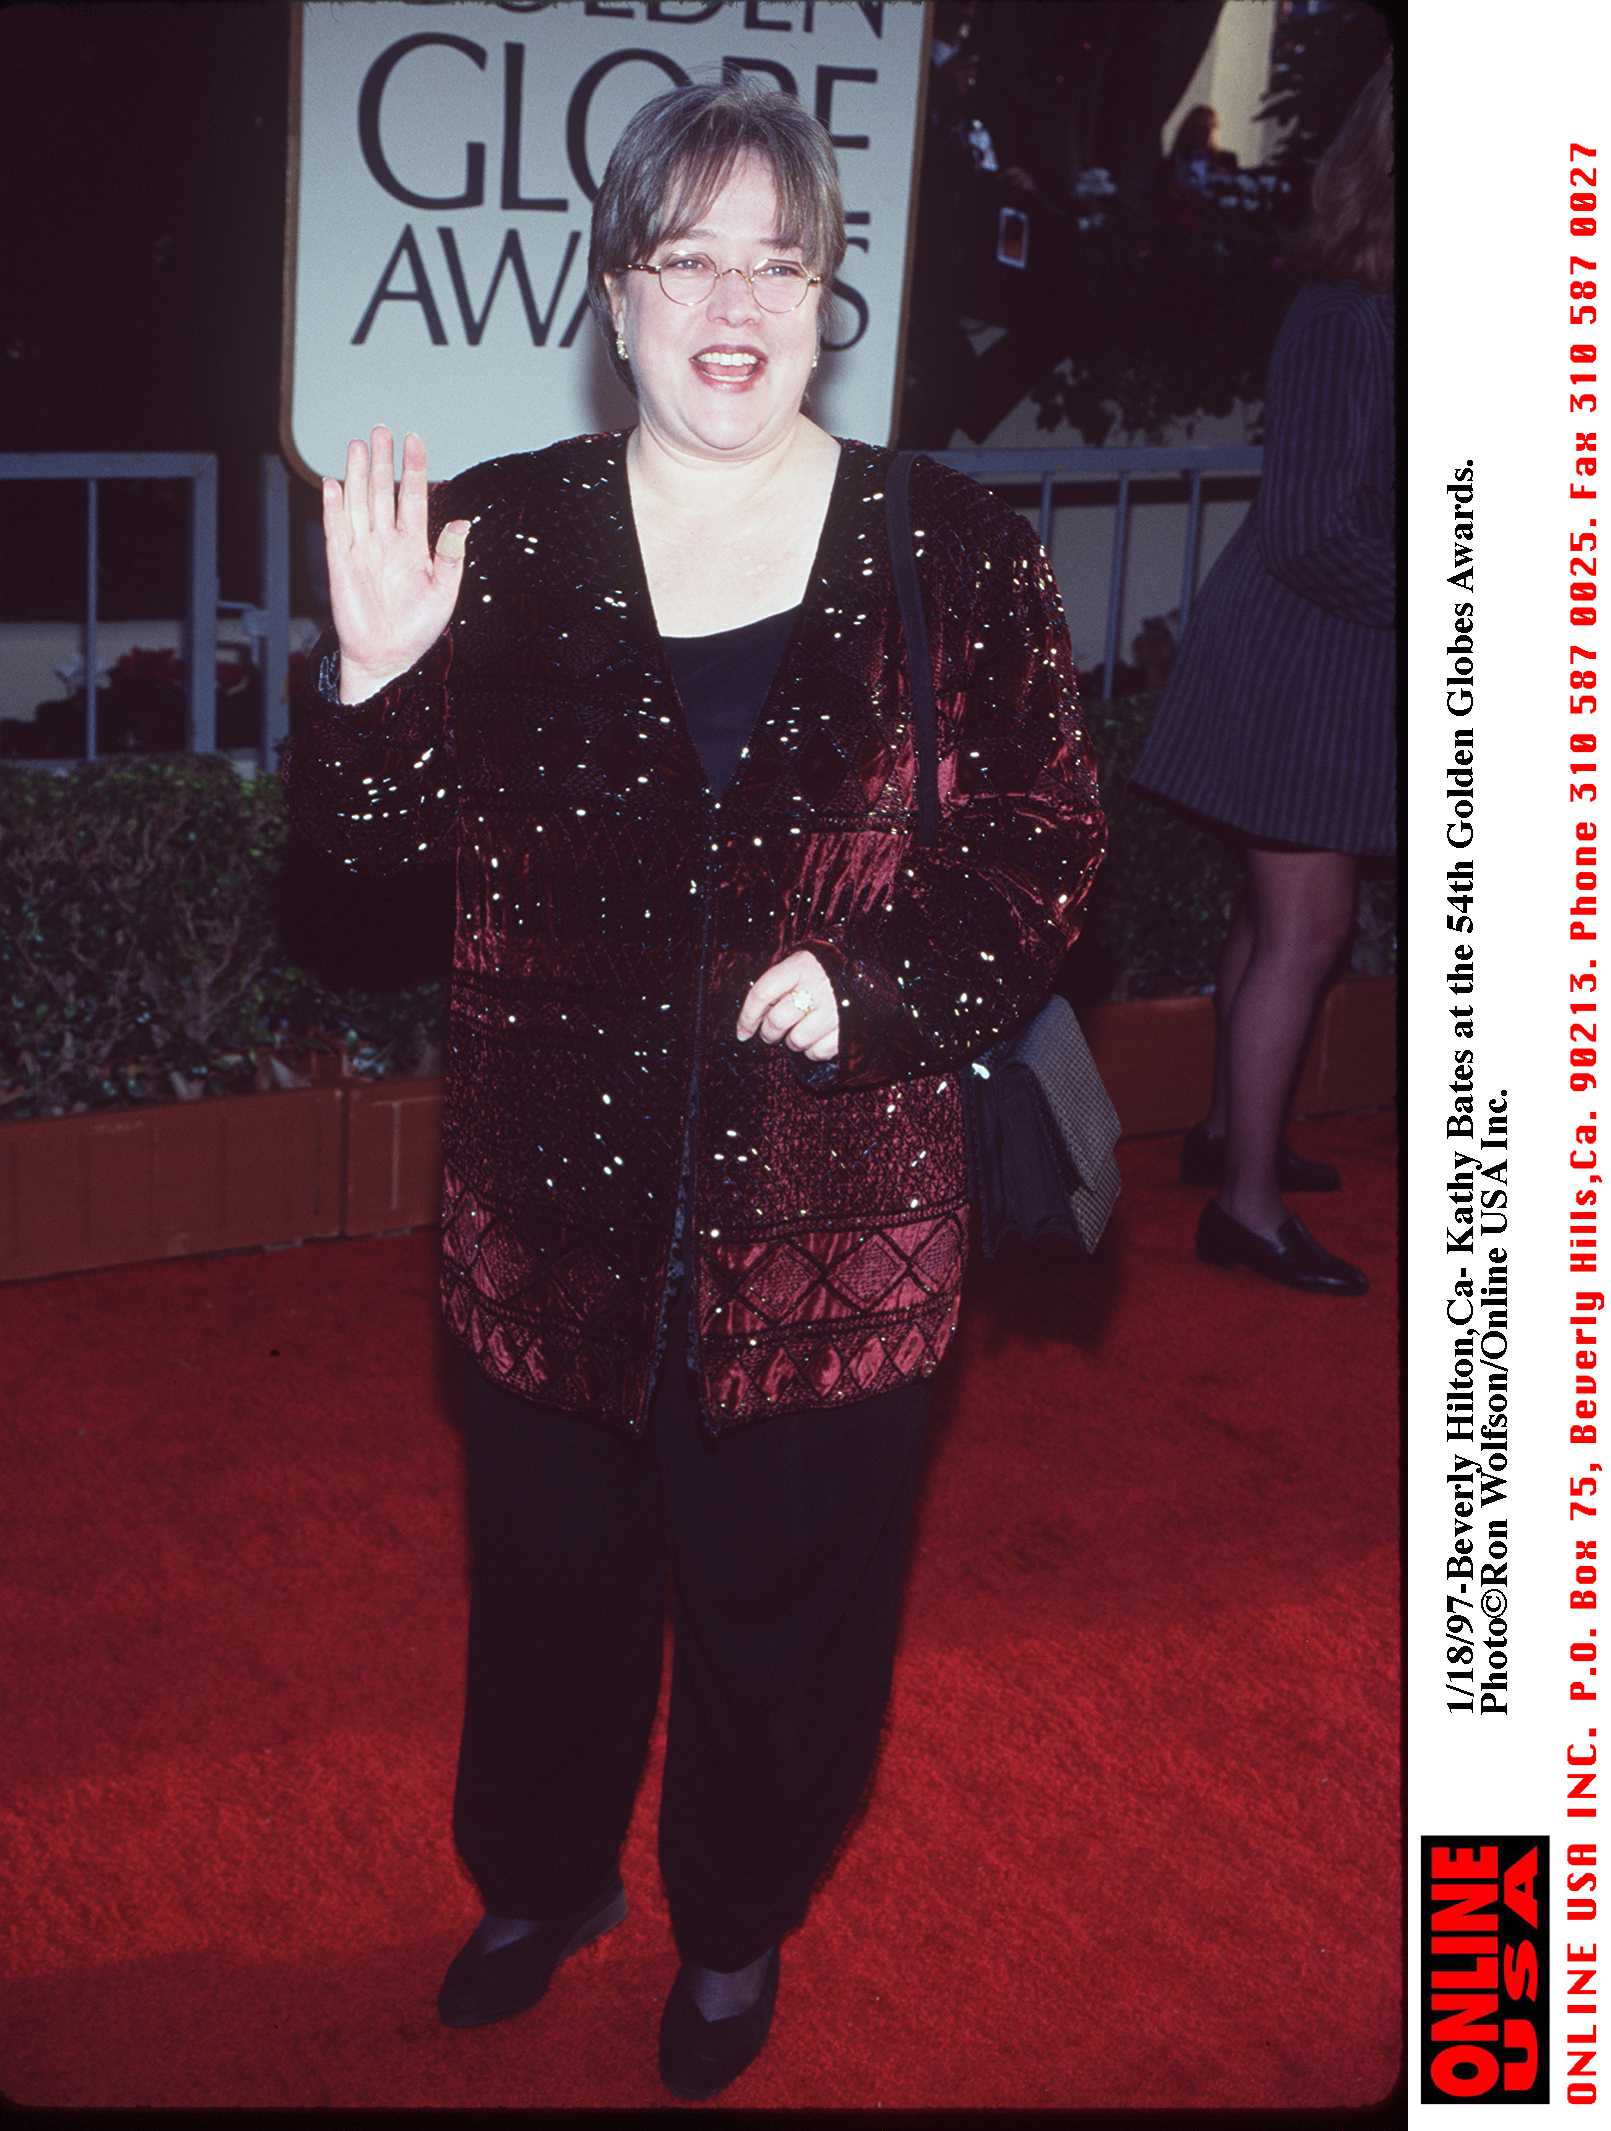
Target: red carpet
[[1134, 1839]]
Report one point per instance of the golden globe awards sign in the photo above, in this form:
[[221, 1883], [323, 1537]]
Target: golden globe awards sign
[[444, 163]]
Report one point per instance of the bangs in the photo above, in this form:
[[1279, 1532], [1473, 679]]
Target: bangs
[[703, 169]]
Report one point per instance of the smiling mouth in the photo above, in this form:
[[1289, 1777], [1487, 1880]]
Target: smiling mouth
[[728, 367]]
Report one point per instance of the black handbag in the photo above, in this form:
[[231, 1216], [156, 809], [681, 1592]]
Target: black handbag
[[1039, 1124]]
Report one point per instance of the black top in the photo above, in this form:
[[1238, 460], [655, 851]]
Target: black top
[[723, 680]]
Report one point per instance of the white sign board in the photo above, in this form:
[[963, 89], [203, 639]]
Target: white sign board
[[444, 163]]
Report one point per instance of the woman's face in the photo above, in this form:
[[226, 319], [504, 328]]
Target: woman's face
[[687, 401]]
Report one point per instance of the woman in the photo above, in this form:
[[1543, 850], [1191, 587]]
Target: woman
[[1279, 720], [1196, 154], [702, 1138]]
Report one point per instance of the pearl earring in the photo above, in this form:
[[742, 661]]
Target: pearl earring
[[620, 344]]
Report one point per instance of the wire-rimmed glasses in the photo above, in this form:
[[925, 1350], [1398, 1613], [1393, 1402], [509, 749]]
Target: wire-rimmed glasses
[[777, 285]]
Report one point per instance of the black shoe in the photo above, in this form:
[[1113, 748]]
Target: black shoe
[[481, 1986], [1294, 1258], [1202, 1162], [698, 2057]]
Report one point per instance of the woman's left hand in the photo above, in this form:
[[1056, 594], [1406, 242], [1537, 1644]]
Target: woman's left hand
[[771, 1005]]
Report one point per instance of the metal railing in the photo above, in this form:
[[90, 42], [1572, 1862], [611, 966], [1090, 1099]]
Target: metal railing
[[268, 623], [274, 517], [1098, 465], [200, 470]]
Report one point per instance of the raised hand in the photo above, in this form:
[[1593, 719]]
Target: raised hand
[[389, 596]]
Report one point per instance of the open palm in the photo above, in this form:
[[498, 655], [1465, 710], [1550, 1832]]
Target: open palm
[[390, 597]]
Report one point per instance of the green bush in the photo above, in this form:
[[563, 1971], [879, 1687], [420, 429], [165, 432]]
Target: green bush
[[161, 939], [141, 951], [137, 952]]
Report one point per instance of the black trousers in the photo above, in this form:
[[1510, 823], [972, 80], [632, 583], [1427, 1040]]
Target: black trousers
[[785, 1546]]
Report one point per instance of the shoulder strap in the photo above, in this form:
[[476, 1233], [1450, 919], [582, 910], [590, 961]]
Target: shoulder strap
[[919, 668]]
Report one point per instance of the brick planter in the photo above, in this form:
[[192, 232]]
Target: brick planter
[[1353, 1061], [115, 1187], [1157, 1055], [394, 1156], [363, 1158]]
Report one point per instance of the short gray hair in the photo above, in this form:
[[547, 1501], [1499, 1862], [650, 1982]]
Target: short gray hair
[[677, 153]]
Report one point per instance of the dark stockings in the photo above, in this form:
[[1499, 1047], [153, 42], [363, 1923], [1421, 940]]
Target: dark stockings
[[1292, 921]]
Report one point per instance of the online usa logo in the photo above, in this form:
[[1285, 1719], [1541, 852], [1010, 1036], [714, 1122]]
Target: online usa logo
[[1484, 1968]]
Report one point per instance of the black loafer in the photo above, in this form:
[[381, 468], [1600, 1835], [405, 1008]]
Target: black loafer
[[1294, 1258], [481, 1986], [698, 2057], [1202, 1162]]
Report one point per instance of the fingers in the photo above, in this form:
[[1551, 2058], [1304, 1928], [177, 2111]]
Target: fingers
[[801, 1032], [357, 489], [773, 985], [382, 481], [816, 1033], [770, 1006], [411, 503], [786, 1019], [783, 1022], [369, 489], [807, 1030], [337, 525]]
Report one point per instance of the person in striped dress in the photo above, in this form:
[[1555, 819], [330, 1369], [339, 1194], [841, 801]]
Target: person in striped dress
[[1279, 722]]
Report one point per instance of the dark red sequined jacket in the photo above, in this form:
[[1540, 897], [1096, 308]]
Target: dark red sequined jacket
[[611, 916]]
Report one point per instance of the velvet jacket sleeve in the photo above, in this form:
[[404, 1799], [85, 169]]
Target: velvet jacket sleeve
[[373, 783], [975, 924], [1325, 515]]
